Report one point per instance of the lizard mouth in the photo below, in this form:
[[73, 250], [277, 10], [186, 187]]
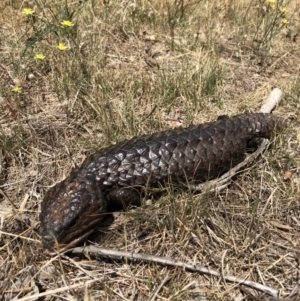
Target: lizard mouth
[[48, 239], [49, 244], [66, 239]]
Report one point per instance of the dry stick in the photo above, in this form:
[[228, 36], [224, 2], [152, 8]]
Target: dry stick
[[58, 290], [110, 253], [220, 183], [167, 278], [8, 199], [148, 115], [272, 101]]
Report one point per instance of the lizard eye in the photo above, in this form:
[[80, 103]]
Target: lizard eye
[[73, 224]]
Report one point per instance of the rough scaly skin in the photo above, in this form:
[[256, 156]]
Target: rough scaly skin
[[118, 173]]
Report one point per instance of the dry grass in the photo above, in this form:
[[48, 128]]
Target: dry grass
[[184, 62]]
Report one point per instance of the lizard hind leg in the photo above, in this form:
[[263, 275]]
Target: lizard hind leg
[[125, 196], [254, 143]]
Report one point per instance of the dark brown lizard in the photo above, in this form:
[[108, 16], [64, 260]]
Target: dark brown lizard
[[119, 172]]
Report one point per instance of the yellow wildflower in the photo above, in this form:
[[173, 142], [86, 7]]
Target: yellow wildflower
[[283, 10], [28, 11], [17, 89], [62, 46], [285, 21], [39, 56], [67, 23], [272, 3]]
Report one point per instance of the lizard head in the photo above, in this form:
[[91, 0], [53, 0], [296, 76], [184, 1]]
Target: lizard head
[[71, 208]]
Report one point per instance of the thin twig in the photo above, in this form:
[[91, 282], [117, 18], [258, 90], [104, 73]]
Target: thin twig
[[59, 290], [148, 115], [166, 279], [110, 253], [8, 199]]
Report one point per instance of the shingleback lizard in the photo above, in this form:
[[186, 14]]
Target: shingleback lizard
[[119, 172]]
